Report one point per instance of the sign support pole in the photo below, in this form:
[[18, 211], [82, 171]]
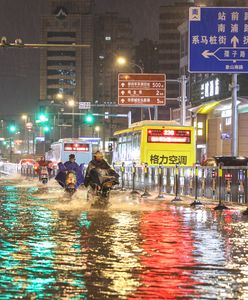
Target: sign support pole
[[235, 88], [155, 112], [183, 81]]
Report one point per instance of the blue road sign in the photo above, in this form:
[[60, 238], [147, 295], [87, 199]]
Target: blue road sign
[[218, 39]]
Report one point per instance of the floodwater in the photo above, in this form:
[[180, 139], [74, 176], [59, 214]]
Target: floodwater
[[52, 248]]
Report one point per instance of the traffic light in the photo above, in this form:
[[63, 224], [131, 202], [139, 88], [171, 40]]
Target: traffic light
[[42, 118], [46, 129], [12, 127], [89, 119]]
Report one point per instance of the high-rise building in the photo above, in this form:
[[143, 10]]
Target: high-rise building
[[113, 38], [172, 14], [146, 55], [67, 70]]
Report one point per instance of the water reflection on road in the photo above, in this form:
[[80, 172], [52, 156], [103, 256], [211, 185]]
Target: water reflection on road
[[136, 249]]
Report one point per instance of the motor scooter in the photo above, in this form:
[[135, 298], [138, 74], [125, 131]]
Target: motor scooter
[[70, 182], [101, 185], [43, 174]]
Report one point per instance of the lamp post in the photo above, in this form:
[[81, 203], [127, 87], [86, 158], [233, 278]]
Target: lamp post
[[26, 142], [122, 61], [71, 103], [97, 129]]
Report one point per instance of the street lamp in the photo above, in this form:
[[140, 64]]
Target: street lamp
[[59, 96], [97, 129], [122, 61], [71, 103]]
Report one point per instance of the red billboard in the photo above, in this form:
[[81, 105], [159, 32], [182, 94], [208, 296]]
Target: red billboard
[[141, 89]]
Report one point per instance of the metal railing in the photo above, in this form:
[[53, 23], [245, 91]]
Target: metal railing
[[227, 184], [215, 183]]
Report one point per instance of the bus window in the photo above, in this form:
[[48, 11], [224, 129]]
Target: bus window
[[156, 143], [135, 151]]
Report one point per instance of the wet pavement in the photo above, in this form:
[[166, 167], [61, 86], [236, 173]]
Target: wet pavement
[[53, 248]]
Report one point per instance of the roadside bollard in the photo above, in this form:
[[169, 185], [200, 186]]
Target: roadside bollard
[[241, 188], [146, 179], [123, 176], [134, 176], [228, 182], [245, 213], [177, 196], [160, 182], [220, 206], [214, 182], [196, 201]]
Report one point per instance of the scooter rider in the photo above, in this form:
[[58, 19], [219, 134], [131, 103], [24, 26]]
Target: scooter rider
[[70, 165], [42, 162], [97, 162]]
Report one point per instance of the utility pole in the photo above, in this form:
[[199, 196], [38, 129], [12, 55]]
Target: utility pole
[[234, 88], [183, 81]]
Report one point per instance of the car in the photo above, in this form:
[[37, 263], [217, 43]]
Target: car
[[26, 162], [209, 162], [3, 161]]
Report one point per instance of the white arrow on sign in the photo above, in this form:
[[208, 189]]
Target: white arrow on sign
[[123, 93], [234, 41], [206, 53], [122, 84]]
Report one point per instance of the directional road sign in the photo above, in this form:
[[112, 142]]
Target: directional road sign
[[218, 39], [141, 89], [84, 105]]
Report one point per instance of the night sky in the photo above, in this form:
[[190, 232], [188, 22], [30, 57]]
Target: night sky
[[19, 68]]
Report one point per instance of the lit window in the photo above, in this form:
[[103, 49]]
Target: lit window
[[107, 38], [228, 121], [211, 91], [217, 86], [200, 125], [207, 89], [202, 91], [199, 132]]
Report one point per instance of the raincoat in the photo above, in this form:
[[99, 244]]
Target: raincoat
[[70, 166]]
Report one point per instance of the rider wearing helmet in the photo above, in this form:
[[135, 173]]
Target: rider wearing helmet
[[97, 162], [42, 162], [70, 165]]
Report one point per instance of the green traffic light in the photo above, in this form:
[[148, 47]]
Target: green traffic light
[[89, 119], [43, 118], [12, 128], [46, 129]]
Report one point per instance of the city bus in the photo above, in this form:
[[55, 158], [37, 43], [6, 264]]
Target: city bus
[[164, 143], [60, 150]]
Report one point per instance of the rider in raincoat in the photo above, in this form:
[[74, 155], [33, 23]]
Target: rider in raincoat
[[70, 165]]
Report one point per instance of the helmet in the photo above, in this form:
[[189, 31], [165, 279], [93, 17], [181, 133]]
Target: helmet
[[98, 155], [72, 156]]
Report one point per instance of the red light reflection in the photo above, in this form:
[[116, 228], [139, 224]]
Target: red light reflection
[[169, 259]]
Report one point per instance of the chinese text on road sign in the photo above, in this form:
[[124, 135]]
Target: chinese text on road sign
[[84, 105], [138, 89], [218, 39]]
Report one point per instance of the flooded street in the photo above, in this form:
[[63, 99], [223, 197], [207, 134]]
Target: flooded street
[[136, 249]]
